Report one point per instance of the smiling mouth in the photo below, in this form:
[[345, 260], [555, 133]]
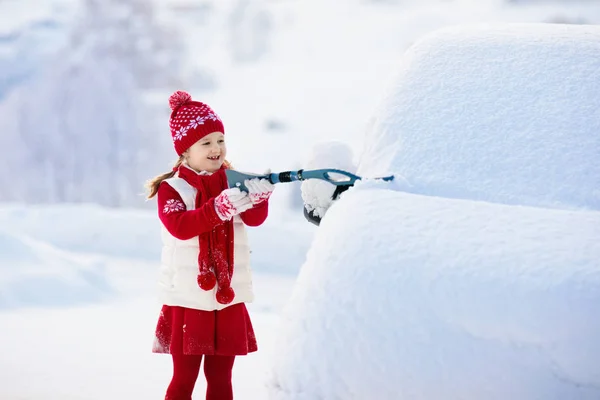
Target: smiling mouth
[[214, 158]]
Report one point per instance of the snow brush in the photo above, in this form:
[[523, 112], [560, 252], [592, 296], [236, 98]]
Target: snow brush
[[336, 177]]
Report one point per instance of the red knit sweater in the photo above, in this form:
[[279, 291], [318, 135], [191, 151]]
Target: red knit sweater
[[185, 225]]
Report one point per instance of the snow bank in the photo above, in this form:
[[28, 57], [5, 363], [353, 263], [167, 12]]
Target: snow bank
[[505, 113], [33, 273], [438, 294], [87, 228], [427, 298]]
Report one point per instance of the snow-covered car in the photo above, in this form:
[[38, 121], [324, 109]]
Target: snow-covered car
[[476, 273]]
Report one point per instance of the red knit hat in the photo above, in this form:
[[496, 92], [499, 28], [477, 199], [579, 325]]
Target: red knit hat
[[190, 121]]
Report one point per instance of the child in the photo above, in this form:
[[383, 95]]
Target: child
[[205, 276]]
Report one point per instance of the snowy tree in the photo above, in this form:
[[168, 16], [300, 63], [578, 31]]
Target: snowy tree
[[81, 131]]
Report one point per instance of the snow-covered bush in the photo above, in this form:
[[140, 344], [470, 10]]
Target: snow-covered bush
[[79, 130]]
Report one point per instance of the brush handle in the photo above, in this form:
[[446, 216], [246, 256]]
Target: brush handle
[[336, 177]]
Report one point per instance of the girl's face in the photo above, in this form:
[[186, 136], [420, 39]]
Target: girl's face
[[208, 153]]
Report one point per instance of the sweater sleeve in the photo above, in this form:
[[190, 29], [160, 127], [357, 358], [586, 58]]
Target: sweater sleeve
[[256, 215], [180, 222]]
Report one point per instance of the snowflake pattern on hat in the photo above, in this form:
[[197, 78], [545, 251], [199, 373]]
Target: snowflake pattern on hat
[[199, 120], [191, 118], [179, 134]]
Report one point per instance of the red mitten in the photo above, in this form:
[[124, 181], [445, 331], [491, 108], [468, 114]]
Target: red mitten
[[231, 202]]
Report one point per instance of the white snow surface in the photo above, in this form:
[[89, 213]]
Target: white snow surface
[[476, 274], [503, 113], [34, 273], [422, 297]]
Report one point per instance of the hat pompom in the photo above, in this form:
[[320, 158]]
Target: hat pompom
[[207, 280], [225, 295], [178, 99]]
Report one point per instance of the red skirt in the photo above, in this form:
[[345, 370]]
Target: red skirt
[[226, 332]]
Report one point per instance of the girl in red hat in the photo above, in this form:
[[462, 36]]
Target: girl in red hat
[[205, 277]]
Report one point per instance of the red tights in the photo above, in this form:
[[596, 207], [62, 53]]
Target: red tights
[[186, 368]]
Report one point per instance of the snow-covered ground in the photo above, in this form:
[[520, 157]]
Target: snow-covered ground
[[102, 351], [78, 303]]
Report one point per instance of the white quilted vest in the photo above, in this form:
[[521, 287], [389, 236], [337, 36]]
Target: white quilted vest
[[179, 264]]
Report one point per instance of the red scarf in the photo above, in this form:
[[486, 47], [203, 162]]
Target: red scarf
[[216, 247]]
